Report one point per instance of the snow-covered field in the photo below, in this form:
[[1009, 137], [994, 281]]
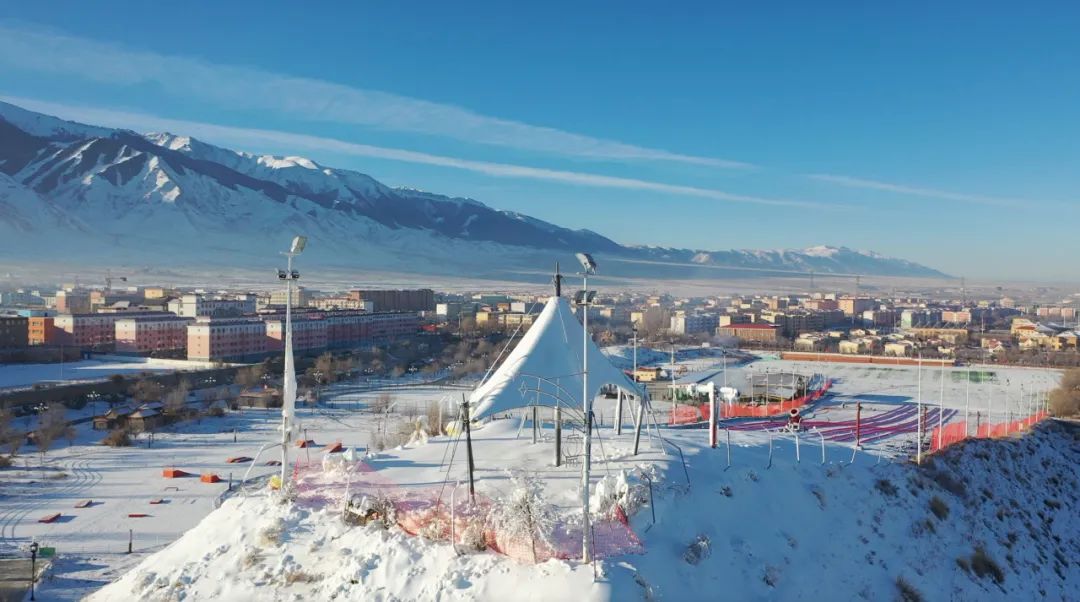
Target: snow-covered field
[[773, 533], [25, 375]]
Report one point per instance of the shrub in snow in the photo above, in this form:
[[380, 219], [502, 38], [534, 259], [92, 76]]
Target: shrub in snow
[[984, 566], [370, 510], [434, 525], [906, 592], [473, 538], [698, 550], [418, 435], [117, 438], [271, 534], [939, 508], [523, 516], [612, 490], [886, 487]]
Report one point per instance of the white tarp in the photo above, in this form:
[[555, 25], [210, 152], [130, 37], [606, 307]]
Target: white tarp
[[545, 367]]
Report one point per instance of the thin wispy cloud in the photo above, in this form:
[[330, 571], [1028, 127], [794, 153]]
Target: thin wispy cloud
[[251, 138], [930, 193], [235, 87]]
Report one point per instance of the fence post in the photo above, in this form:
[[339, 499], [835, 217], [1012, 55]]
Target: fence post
[[822, 435], [727, 432], [770, 448]]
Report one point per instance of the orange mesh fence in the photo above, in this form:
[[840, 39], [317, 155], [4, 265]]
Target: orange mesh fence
[[689, 414], [427, 512], [956, 432]]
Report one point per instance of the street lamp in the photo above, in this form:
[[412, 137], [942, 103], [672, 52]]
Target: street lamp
[[33, 567], [288, 401], [584, 298]]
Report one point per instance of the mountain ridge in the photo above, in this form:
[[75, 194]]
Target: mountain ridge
[[164, 190]]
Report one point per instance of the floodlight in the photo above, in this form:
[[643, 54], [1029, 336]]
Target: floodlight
[[295, 275], [282, 275], [584, 297], [298, 245], [587, 262]]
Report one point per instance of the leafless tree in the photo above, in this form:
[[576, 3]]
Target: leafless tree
[[176, 400], [147, 390], [1065, 400]]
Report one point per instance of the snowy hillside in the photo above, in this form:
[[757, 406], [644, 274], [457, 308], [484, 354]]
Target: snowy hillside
[[122, 191], [987, 520]]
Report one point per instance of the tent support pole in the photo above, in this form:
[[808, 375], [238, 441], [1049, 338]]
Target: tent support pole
[[637, 423], [468, 448], [618, 413], [558, 436], [535, 417]]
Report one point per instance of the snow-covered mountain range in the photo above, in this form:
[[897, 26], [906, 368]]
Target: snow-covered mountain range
[[82, 193]]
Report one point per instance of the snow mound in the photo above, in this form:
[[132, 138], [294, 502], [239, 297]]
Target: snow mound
[[259, 549], [983, 520]]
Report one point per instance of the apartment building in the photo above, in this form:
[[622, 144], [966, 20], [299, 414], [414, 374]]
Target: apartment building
[[42, 330], [309, 331], [149, 334], [13, 332], [226, 339], [344, 302], [193, 305], [301, 297], [72, 301], [852, 306], [93, 330], [422, 299], [694, 323], [758, 332]]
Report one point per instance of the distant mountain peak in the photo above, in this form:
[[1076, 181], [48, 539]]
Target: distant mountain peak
[[164, 190]]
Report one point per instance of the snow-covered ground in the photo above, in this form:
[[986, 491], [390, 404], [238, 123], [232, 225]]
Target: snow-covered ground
[[756, 530], [25, 375], [773, 533], [92, 542]]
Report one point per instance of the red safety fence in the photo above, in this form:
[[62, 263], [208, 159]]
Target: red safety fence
[[956, 432], [426, 512], [688, 414]]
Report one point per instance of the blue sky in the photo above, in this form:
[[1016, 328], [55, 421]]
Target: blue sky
[[944, 135]]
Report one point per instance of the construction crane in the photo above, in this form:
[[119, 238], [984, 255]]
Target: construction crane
[[109, 279]]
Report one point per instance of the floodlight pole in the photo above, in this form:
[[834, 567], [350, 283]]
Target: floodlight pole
[[288, 381], [288, 400], [586, 530]]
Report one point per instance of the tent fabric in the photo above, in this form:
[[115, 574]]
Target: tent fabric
[[545, 367]]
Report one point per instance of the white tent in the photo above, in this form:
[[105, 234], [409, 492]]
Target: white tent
[[545, 367]]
